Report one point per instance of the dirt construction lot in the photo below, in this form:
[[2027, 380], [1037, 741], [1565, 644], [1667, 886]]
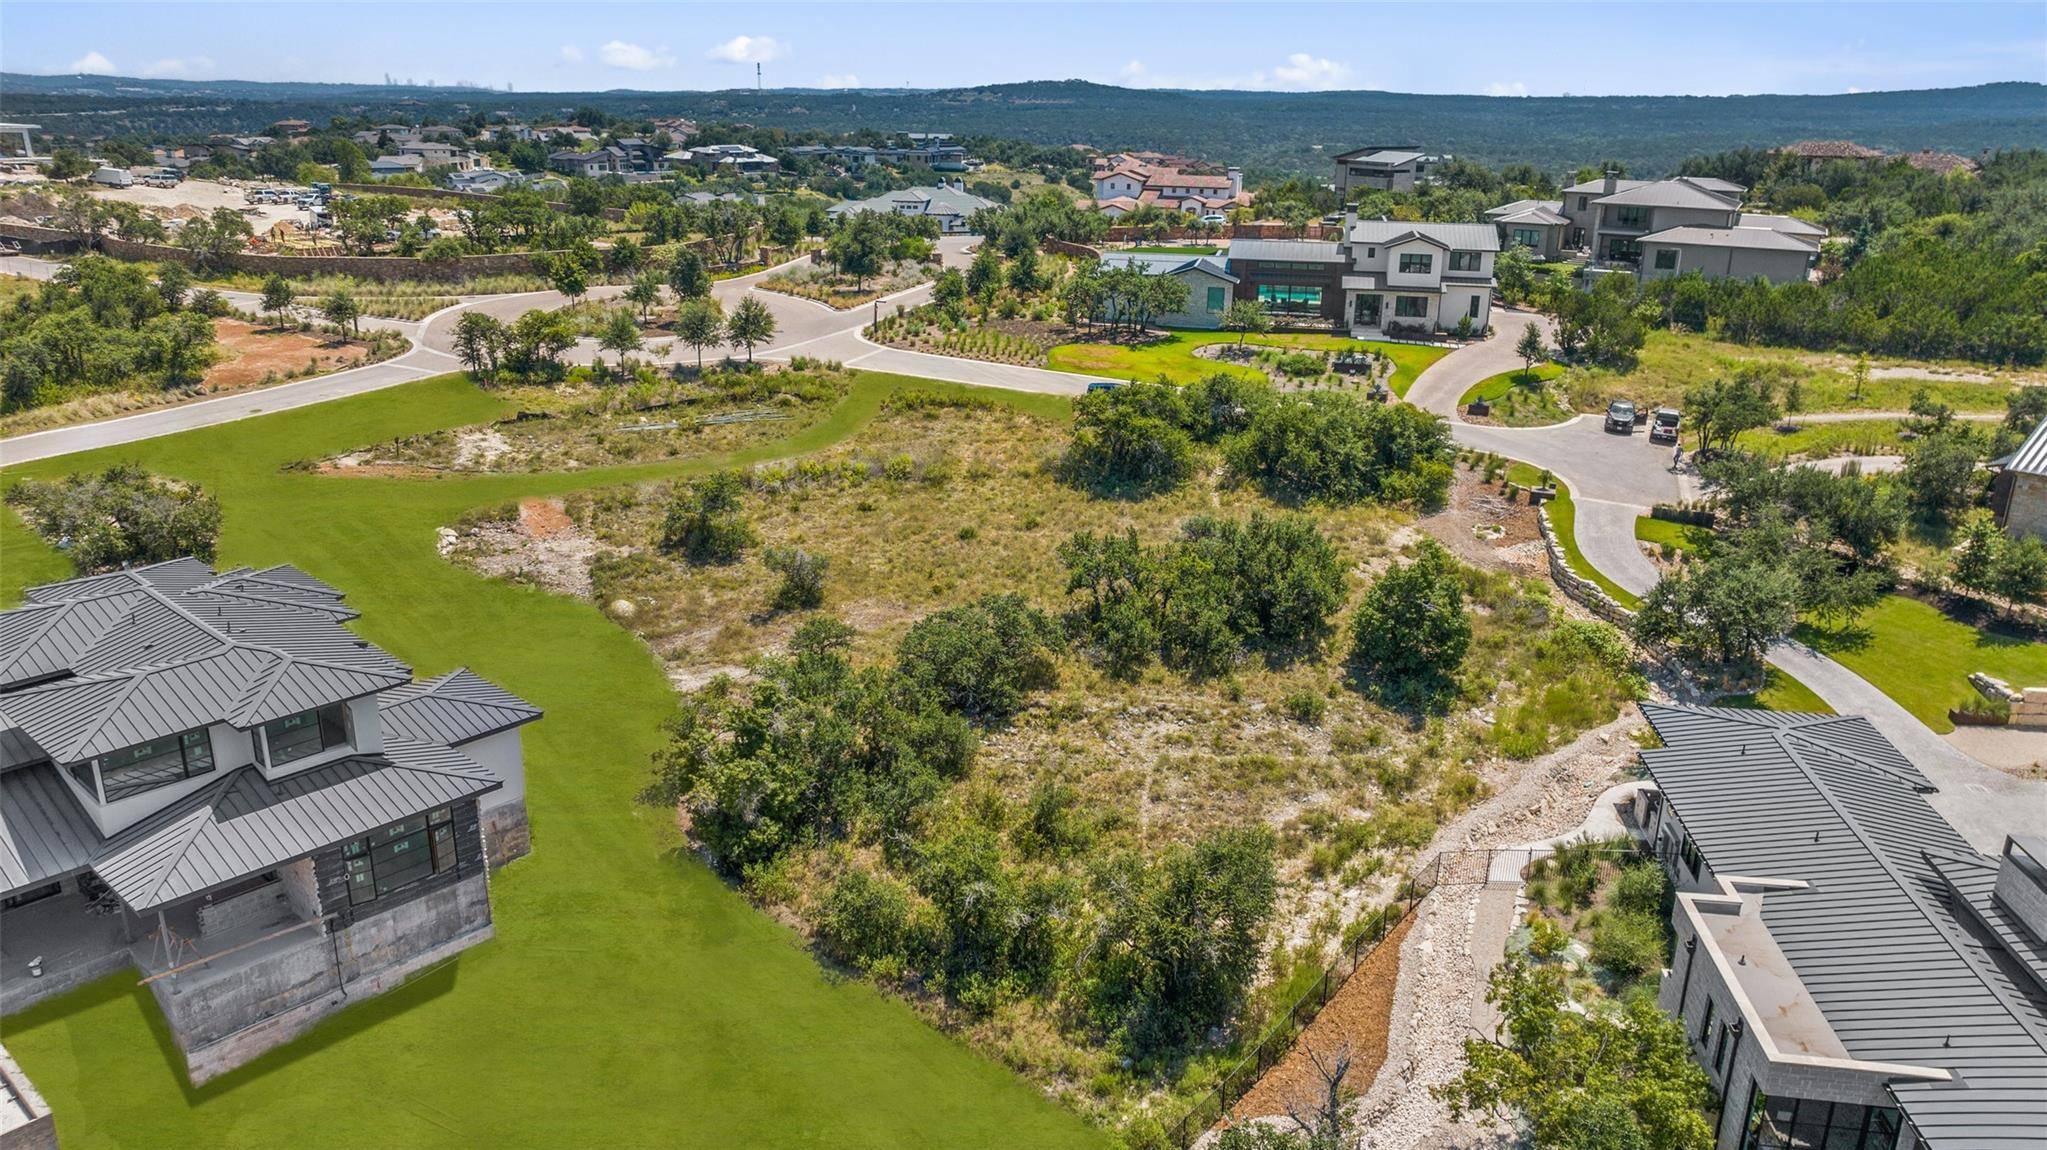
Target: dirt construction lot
[[203, 196], [251, 353]]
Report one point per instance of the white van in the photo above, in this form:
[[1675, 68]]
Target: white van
[[114, 177]]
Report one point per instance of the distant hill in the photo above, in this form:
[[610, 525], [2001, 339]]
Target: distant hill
[[1266, 132]]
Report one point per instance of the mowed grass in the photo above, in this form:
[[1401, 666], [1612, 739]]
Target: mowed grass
[[1671, 362], [1779, 692], [1519, 398], [1921, 656], [1663, 532], [630, 998], [1172, 356]]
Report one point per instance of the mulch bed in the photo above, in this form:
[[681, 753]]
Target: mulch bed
[[1360, 1014]]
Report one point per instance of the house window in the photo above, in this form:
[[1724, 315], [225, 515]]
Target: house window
[[393, 857], [1371, 253], [1295, 298], [1411, 306], [1465, 261], [1472, 309], [1785, 1123], [1666, 259], [1720, 1048], [1215, 298], [1582, 201], [307, 733], [1631, 216], [1527, 237], [1695, 863], [1706, 1026], [1623, 249], [154, 764], [1418, 263]]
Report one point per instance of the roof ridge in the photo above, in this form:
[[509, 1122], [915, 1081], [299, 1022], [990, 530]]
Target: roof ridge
[[1851, 754], [1883, 862], [202, 808], [134, 682], [430, 768]]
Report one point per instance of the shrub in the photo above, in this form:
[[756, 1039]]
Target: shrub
[[865, 918], [1305, 706], [1642, 888], [703, 523], [979, 660], [802, 585], [1327, 445], [1410, 634], [122, 516], [1133, 436], [1628, 942]]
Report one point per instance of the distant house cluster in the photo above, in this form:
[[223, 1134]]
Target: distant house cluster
[[934, 150], [407, 150], [725, 160], [1813, 153], [950, 204], [629, 156], [206, 777], [1127, 180], [1661, 228]]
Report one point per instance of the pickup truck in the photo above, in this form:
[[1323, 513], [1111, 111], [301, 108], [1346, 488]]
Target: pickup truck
[[1663, 425]]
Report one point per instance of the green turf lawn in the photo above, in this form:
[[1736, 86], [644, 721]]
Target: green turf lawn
[[1517, 401], [1779, 692], [1172, 356], [630, 998], [1683, 536], [1563, 518], [1921, 657], [1495, 386]]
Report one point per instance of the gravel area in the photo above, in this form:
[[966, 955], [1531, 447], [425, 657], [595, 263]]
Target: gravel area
[[1360, 1015]]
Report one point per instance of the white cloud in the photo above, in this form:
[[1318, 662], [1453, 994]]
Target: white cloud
[[838, 80], [1132, 71], [1507, 88], [620, 54], [749, 50], [172, 67], [1303, 71], [571, 54], [1853, 90], [94, 63]]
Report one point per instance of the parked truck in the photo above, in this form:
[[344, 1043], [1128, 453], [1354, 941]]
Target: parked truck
[[114, 177]]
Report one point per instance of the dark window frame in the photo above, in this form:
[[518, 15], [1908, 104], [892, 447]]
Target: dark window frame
[[328, 734], [1401, 302], [430, 835], [193, 750], [1665, 259], [1417, 263], [1466, 261]]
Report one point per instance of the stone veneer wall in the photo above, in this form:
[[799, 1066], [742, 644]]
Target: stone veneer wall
[[1591, 595]]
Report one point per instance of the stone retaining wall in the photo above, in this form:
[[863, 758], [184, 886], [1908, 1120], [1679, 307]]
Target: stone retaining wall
[[32, 237], [450, 195], [362, 267], [2028, 704], [1068, 248], [1589, 594]]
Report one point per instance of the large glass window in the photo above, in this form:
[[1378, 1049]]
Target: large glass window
[[1666, 259], [1466, 261], [1215, 298], [1808, 1124], [1290, 297], [1528, 237], [295, 737], [1631, 216], [1418, 263], [154, 764], [391, 858], [1411, 306]]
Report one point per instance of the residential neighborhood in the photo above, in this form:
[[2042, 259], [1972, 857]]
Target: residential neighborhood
[[1239, 578]]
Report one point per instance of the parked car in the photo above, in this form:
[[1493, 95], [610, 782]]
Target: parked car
[[1102, 385], [1663, 425], [1215, 218], [1620, 416]]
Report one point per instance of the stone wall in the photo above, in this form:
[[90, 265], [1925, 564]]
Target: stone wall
[[450, 195], [34, 238], [1589, 594], [25, 1119], [1068, 248]]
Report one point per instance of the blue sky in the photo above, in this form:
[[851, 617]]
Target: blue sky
[[1707, 49]]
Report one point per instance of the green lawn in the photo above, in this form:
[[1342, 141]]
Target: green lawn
[[1821, 440], [1518, 399], [1780, 692], [1683, 536], [630, 998], [1172, 356], [1921, 656], [1563, 517]]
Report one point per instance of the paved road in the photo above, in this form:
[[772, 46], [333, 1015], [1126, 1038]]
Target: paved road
[[803, 327]]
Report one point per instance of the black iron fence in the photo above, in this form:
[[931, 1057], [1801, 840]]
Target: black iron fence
[[1273, 1046]]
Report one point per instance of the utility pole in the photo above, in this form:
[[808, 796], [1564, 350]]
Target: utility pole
[[756, 75]]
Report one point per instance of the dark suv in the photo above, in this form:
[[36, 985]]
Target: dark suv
[[1620, 416]]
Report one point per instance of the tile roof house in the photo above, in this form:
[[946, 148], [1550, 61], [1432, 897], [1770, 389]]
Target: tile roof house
[[1940, 163], [1849, 969], [207, 776], [1127, 177]]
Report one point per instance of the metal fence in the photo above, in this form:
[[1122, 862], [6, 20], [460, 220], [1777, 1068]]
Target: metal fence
[[1273, 1046]]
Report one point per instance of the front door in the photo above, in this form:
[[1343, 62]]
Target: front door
[[1365, 312]]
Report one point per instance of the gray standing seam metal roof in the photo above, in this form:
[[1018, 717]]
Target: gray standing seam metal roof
[[2030, 458], [1755, 239], [1462, 237], [246, 824], [452, 709], [1678, 193], [1166, 264], [1875, 936], [1789, 225], [44, 833], [1307, 251]]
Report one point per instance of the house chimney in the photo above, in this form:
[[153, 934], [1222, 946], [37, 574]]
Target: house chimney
[[1236, 182], [1612, 183]]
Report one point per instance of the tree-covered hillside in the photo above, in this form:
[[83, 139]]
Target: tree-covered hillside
[[1269, 133]]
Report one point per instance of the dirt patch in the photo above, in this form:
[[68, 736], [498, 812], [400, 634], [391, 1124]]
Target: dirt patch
[[254, 355], [540, 546], [1479, 525], [1359, 1016]]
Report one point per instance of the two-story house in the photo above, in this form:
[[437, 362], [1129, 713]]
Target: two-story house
[[1125, 181], [1382, 168], [1690, 223], [1384, 276], [207, 777], [1850, 970], [570, 162]]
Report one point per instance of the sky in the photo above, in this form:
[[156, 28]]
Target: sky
[[1534, 49]]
